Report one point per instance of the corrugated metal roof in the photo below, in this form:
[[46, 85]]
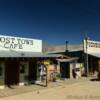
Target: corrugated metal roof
[[4, 54], [67, 60], [95, 54]]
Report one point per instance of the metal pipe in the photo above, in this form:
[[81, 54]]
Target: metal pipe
[[87, 66]]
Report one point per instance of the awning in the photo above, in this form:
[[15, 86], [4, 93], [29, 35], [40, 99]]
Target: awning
[[15, 54], [67, 60], [95, 54]]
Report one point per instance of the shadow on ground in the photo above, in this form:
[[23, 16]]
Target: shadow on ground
[[94, 79]]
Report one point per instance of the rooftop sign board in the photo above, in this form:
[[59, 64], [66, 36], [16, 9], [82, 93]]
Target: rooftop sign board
[[91, 46], [20, 44]]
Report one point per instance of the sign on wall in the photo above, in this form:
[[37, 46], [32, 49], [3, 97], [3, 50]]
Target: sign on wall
[[91, 46], [20, 44]]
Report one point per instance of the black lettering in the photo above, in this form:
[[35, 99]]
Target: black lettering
[[22, 41], [19, 41], [20, 46], [31, 42], [6, 45], [2, 39], [12, 40], [11, 46], [7, 40], [15, 46], [27, 42]]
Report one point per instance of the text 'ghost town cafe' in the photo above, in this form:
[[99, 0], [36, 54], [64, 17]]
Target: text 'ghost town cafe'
[[13, 43]]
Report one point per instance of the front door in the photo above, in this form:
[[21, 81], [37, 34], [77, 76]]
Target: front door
[[24, 72], [64, 70], [11, 73], [32, 71]]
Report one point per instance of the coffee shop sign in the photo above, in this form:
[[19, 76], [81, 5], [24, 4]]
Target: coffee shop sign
[[14, 42]]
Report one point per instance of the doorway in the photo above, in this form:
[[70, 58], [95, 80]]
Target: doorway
[[65, 69], [32, 72], [24, 73], [11, 73]]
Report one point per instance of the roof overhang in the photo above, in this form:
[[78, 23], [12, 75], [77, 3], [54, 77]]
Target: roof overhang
[[15, 54], [95, 54], [67, 60]]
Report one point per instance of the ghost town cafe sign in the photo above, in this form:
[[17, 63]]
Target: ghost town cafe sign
[[13, 42]]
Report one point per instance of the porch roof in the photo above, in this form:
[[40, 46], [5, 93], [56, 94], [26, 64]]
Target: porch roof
[[15, 54], [67, 60], [95, 55]]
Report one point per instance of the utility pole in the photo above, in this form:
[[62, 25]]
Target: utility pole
[[87, 66], [86, 54], [66, 45]]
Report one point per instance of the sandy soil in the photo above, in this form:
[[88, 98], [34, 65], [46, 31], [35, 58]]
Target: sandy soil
[[77, 91]]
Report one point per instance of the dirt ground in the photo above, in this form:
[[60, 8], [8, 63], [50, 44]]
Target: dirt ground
[[78, 91]]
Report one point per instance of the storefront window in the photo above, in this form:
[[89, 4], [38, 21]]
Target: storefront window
[[22, 68], [0, 70]]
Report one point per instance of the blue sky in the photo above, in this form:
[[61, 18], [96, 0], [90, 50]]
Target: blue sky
[[53, 21]]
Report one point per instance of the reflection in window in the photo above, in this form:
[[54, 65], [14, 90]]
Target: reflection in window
[[22, 68]]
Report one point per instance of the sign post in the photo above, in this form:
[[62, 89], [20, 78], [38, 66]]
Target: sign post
[[87, 66]]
